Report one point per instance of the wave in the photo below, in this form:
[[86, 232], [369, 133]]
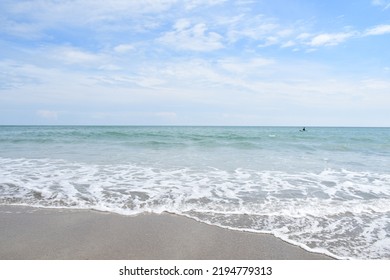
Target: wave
[[319, 210]]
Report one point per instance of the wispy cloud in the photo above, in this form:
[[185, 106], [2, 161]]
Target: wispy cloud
[[194, 37], [34, 18], [378, 30], [236, 65], [124, 48], [27, 30], [191, 4], [156, 56], [385, 4], [254, 27], [71, 55], [196, 31], [330, 39], [14, 75]]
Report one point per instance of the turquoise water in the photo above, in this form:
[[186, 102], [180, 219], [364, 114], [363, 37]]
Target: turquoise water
[[326, 189]]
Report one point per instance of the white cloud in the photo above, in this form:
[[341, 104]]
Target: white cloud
[[124, 48], [376, 84], [253, 27], [110, 67], [329, 39], [14, 75], [288, 44], [385, 4], [21, 29], [269, 41], [304, 36], [378, 30], [72, 55], [77, 56], [333, 39], [236, 82], [193, 38], [149, 82], [182, 24], [265, 31], [96, 15], [87, 10], [241, 66], [107, 62], [191, 4]]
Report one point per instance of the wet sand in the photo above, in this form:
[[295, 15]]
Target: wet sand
[[36, 233]]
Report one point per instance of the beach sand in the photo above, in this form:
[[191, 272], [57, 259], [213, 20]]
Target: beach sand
[[36, 233]]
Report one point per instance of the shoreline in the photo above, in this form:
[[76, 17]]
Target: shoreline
[[65, 234]]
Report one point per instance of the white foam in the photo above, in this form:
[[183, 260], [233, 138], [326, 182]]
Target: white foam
[[315, 210]]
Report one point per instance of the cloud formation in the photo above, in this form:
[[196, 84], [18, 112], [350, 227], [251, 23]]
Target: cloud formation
[[329, 39], [385, 4], [178, 61], [194, 37], [378, 30]]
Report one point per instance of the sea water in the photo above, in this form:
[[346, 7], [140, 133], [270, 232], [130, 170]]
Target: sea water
[[324, 189]]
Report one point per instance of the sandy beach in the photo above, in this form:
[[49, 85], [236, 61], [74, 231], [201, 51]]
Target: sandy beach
[[35, 233]]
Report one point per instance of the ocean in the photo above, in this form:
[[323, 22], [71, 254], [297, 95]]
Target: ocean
[[324, 189]]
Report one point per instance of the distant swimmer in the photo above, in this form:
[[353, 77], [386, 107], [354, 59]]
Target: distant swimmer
[[303, 129]]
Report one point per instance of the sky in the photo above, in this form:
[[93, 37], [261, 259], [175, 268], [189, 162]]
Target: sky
[[195, 62]]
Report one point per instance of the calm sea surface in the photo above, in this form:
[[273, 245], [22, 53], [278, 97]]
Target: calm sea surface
[[325, 189]]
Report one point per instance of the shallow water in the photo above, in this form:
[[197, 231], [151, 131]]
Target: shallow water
[[326, 189]]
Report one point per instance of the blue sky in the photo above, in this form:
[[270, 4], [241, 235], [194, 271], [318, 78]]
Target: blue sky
[[195, 62]]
